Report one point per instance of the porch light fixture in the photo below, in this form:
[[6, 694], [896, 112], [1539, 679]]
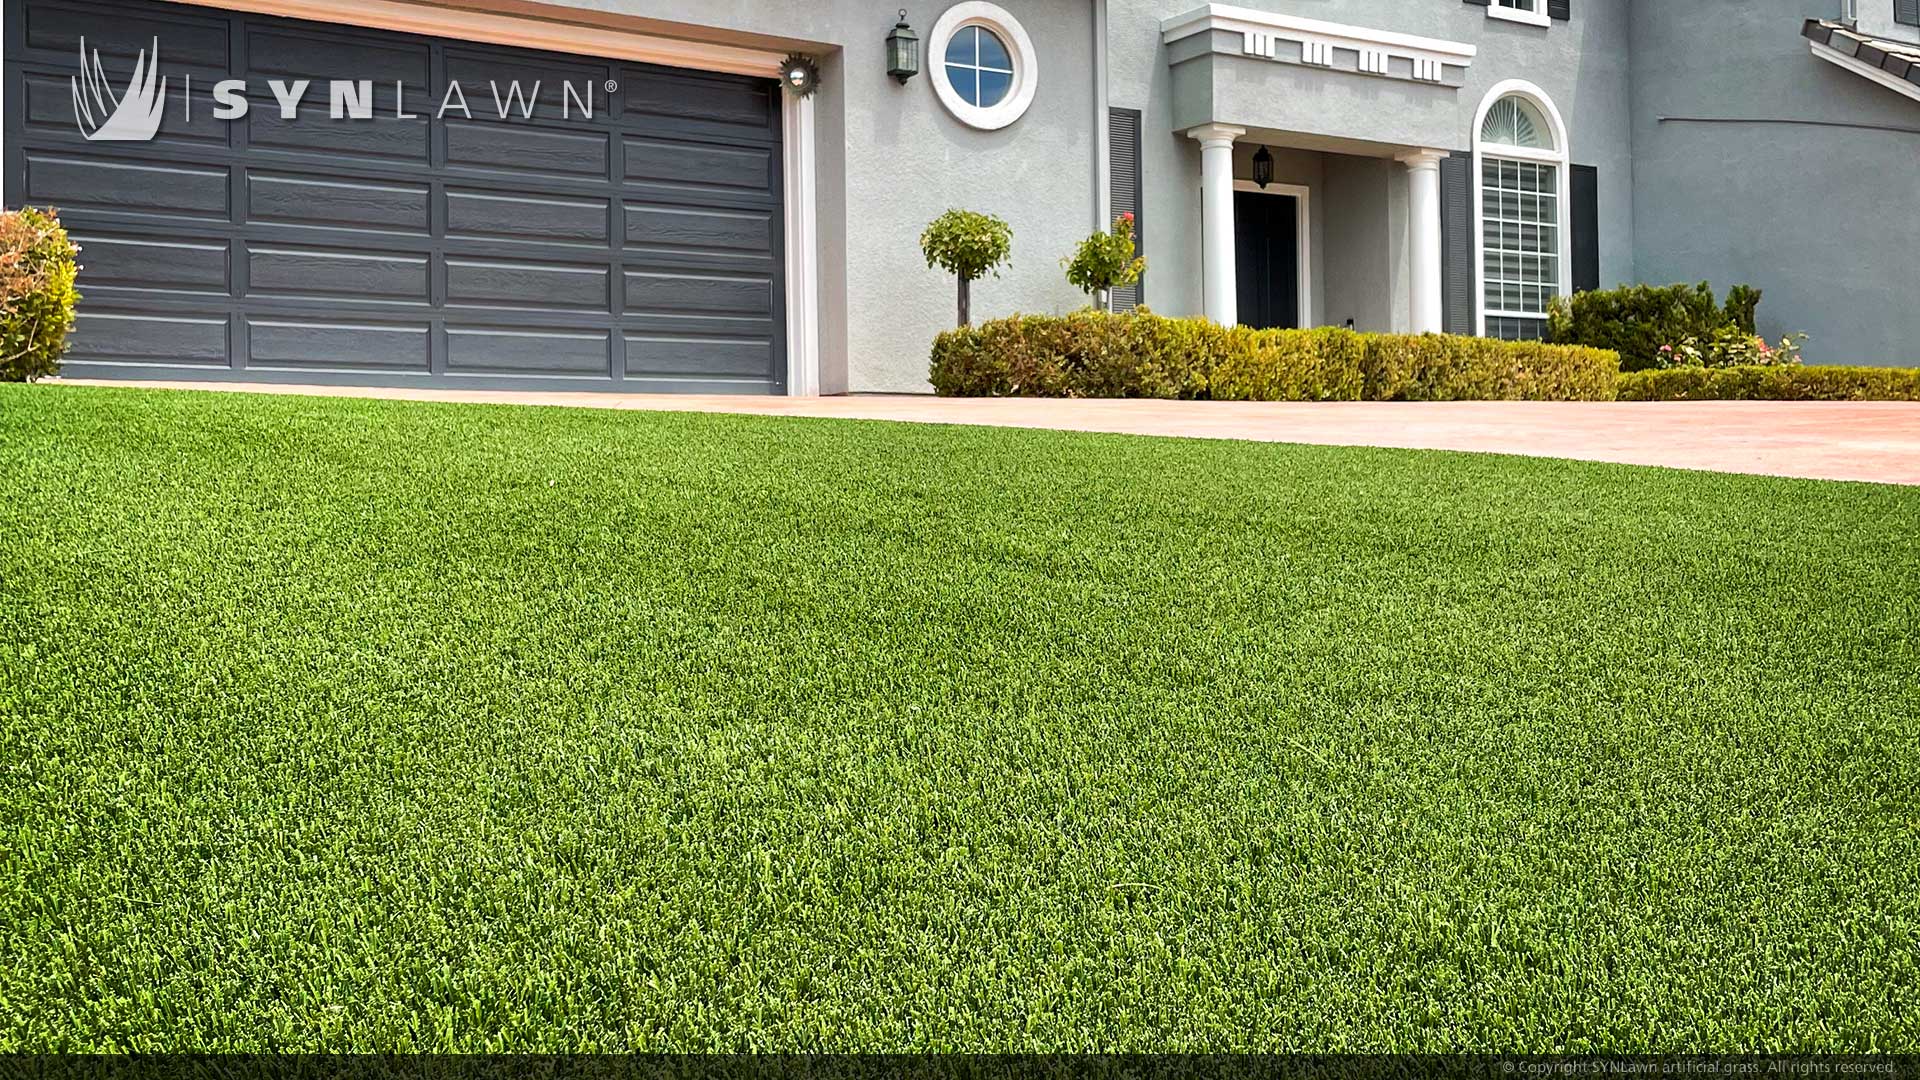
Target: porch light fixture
[[903, 51], [1263, 167]]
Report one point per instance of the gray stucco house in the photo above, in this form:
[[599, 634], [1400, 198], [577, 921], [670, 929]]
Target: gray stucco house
[[629, 194]]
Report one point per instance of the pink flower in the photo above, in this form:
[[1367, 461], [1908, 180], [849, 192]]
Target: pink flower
[[1128, 216]]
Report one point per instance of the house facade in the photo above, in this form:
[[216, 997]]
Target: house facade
[[726, 195]]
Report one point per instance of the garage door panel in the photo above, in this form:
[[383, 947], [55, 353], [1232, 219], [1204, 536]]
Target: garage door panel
[[302, 51], [497, 351], [303, 272], [107, 335], [688, 228], [678, 100], [639, 248], [573, 153], [126, 186], [362, 205], [118, 260], [118, 32], [487, 215], [477, 66], [313, 131], [697, 354], [680, 292], [528, 285], [291, 343], [692, 164]]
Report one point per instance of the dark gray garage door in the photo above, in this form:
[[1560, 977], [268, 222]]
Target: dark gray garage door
[[638, 250]]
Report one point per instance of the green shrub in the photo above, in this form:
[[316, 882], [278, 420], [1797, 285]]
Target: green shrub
[[36, 293], [1140, 354], [1106, 261], [1772, 383], [1659, 326], [966, 245]]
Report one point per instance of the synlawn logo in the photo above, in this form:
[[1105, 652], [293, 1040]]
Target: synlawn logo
[[130, 117], [135, 115]]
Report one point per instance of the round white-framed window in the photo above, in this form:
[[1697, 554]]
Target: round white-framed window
[[984, 68]]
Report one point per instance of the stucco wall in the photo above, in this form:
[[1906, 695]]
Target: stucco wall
[[892, 158], [1824, 217], [1582, 65]]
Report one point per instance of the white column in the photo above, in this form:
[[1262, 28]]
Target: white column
[[1217, 285], [1423, 248]]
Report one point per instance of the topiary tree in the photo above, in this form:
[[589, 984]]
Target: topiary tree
[[968, 246], [1105, 262], [37, 270]]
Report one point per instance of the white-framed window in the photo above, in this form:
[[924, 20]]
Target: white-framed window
[[1520, 199], [984, 68], [1532, 12]]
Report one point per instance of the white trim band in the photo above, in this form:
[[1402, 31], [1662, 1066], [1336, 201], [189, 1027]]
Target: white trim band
[[1317, 39]]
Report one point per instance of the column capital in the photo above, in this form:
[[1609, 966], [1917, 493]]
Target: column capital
[[1211, 135], [1422, 159]]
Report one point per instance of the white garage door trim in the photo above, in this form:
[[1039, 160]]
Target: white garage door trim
[[797, 116]]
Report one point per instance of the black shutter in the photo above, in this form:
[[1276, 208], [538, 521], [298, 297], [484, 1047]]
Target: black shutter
[[1456, 244], [1123, 185], [1586, 228], [1480, 3], [1907, 11], [1560, 9]]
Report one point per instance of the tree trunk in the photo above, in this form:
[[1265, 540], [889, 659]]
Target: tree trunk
[[966, 303]]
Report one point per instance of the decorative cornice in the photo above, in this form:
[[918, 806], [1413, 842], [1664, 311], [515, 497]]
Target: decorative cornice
[[1374, 51], [1894, 65]]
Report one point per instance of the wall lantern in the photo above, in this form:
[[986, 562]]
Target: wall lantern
[[903, 51], [1263, 167]]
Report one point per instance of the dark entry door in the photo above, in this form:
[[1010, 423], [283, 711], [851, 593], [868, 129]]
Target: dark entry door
[[1266, 238], [636, 249]]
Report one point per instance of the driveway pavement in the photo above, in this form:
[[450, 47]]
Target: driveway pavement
[[1874, 441]]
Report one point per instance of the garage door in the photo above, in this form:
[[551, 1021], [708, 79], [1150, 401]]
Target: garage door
[[635, 249]]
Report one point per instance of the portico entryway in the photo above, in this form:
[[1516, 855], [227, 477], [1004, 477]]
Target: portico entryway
[[1361, 120], [1346, 236], [1321, 233]]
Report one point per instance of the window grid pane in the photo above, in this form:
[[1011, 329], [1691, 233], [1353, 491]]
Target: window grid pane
[[979, 66], [1520, 218]]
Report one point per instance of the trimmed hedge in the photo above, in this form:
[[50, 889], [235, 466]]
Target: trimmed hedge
[[1092, 354], [1791, 383], [1636, 320]]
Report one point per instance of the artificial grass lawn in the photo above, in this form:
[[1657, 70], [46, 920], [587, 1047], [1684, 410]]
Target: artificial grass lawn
[[351, 724]]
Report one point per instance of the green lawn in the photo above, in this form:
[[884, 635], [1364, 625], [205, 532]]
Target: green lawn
[[351, 724]]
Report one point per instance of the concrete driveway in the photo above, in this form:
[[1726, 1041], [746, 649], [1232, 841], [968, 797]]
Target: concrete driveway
[[1872, 441]]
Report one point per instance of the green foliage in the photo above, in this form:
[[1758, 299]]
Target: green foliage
[[1652, 326], [1730, 346], [1772, 383], [967, 245], [1106, 260], [1742, 309], [334, 724], [37, 294], [1140, 354]]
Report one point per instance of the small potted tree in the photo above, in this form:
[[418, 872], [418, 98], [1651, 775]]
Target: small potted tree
[[968, 246], [1105, 262]]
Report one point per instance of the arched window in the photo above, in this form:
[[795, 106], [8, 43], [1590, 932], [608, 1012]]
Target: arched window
[[1521, 195]]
